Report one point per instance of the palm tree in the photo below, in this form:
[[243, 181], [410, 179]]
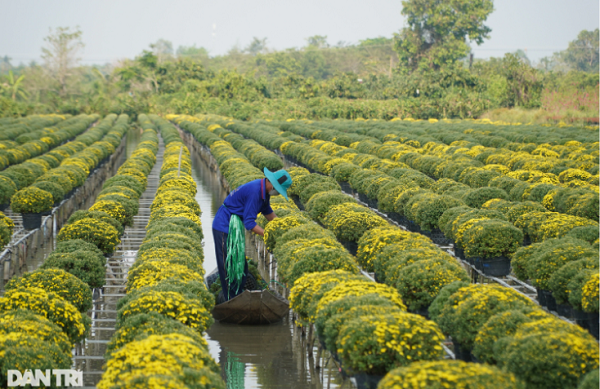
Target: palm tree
[[14, 86]]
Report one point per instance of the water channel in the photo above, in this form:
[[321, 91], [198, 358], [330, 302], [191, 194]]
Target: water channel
[[269, 356]]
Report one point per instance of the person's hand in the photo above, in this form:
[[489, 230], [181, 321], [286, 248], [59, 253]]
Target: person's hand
[[258, 230]]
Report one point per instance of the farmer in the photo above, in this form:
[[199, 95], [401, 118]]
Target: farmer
[[245, 203]]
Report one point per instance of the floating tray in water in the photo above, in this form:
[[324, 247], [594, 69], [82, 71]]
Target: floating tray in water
[[252, 307]]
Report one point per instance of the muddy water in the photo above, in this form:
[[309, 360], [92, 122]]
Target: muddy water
[[269, 356]]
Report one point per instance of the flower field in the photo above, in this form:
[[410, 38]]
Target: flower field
[[526, 201], [427, 209], [42, 182]]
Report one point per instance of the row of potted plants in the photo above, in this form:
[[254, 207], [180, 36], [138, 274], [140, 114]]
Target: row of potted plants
[[572, 148], [11, 128], [407, 261], [304, 227], [461, 164], [38, 142], [43, 313], [485, 236], [499, 326], [256, 154], [160, 322], [56, 183], [21, 175]]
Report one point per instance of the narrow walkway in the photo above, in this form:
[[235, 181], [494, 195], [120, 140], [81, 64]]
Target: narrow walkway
[[89, 356]]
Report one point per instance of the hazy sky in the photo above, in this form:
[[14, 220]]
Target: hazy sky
[[117, 29]]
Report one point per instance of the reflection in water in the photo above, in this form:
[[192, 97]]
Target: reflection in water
[[133, 138], [210, 196], [268, 356]]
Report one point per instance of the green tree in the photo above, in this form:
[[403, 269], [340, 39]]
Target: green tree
[[61, 54], [582, 53], [162, 49], [256, 46], [193, 53], [280, 64], [437, 31], [12, 86], [317, 41]]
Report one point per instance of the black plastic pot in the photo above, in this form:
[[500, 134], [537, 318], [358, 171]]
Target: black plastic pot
[[439, 238], [550, 300], [564, 310], [478, 262], [395, 216], [541, 297], [31, 221], [352, 247], [345, 186], [496, 267], [367, 381], [373, 203], [593, 325], [422, 312], [459, 252], [363, 197], [461, 354], [584, 319], [298, 203]]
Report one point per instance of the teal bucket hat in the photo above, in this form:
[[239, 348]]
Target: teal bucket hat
[[280, 179]]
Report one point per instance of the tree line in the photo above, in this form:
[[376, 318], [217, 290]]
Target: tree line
[[427, 70]]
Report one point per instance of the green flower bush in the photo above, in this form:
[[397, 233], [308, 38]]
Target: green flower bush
[[53, 188], [49, 305], [279, 226], [449, 374], [65, 285], [164, 361], [558, 282], [587, 233], [333, 316], [7, 189], [141, 326], [320, 203], [31, 200], [84, 265], [576, 287], [98, 215], [491, 238], [350, 221], [308, 290], [419, 283], [375, 344], [519, 209], [100, 233], [477, 197], [501, 325], [113, 209], [429, 211], [24, 321], [552, 360], [555, 255], [6, 229], [373, 241], [466, 310], [590, 380]]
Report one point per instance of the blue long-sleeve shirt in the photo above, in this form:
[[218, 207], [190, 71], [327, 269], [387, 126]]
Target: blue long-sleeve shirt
[[246, 201]]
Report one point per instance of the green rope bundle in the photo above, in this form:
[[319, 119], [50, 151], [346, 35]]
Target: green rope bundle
[[236, 252]]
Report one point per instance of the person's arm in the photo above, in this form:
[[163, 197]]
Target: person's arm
[[270, 216], [258, 230]]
